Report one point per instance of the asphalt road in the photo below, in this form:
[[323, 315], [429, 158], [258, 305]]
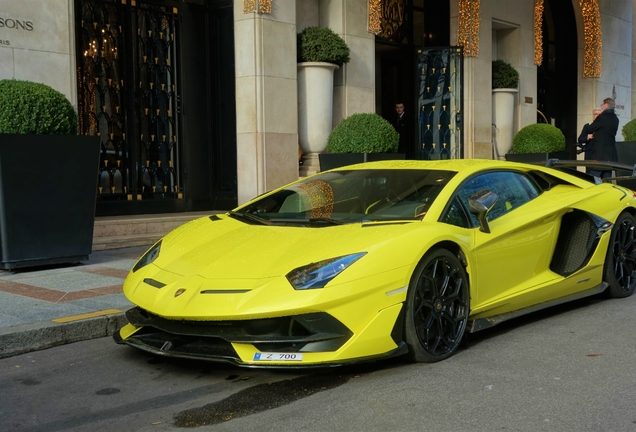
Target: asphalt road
[[571, 368]]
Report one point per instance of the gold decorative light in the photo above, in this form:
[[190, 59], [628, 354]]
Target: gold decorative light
[[259, 6], [265, 6], [375, 16], [592, 31], [468, 26], [538, 33], [249, 6]]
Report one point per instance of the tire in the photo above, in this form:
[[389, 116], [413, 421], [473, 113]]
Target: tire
[[437, 306], [620, 262]]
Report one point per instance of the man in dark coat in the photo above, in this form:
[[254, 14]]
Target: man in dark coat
[[586, 139], [604, 129], [401, 125]]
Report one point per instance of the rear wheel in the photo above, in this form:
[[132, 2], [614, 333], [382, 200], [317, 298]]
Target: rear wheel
[[437, 307], [620, 262]]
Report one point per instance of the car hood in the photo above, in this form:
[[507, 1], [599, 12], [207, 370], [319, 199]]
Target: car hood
[[222, 247]]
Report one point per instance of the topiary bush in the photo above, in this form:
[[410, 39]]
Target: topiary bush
[[629, 130], [321, 44], [538, 138], [32, 108], [363, 133], [504, 75]]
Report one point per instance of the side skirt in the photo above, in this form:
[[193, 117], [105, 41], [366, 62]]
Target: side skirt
[[484, 323]]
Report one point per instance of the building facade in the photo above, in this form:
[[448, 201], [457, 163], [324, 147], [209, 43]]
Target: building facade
[[197, 101]]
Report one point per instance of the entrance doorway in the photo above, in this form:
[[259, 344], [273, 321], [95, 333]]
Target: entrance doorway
[[409, 29], [152, 85], [557, 75]]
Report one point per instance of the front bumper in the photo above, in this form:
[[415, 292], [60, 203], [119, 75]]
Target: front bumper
[[316, 336]]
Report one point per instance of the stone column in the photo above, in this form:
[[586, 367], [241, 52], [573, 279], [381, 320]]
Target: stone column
[[354, 82], [266, 99]]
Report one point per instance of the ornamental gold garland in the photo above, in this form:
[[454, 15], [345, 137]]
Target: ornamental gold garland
[[468, 26], [375, 16], [593, 59], [260, 6], [538, 33]]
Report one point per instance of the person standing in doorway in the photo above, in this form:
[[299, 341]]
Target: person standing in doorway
[[586, 139], [603, 130], [401, 125]]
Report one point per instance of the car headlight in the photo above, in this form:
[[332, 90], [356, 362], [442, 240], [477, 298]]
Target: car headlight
[[148, 257], [317, 275]]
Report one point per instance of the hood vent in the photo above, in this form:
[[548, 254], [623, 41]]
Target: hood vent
[[225, 291], [154, 283]]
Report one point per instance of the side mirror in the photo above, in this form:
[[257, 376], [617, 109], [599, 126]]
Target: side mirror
[[480, 204]]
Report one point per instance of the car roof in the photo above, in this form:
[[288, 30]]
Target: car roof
[[448, 164], [470, 166]]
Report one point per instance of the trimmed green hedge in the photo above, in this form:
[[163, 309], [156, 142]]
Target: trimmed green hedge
[[32, 108], [321, 44], [538, 138], [629, 130], [504, 75], [363, 133]]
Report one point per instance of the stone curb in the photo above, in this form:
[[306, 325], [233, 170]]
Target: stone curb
[[26, 338]]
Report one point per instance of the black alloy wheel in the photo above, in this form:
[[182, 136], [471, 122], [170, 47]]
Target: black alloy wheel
[[437, 307], [620, 262]]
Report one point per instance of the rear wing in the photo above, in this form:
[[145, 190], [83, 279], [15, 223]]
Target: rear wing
[[603, 165]]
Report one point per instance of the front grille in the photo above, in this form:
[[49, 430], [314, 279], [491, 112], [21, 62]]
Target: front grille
[[307, 332], [183, 346]]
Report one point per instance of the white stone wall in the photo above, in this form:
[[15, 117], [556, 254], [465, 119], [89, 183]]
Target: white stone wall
[[616, 22], [507, 33], [617, 71], [633, 53], [354, 83], [37, 43], [266, 99]]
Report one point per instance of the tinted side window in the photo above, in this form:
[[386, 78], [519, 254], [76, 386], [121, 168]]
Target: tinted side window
[[514, 190], [456, 214]]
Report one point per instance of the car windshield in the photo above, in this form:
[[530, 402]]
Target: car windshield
[[350, 196]]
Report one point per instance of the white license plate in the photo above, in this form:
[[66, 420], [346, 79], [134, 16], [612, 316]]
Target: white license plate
[[262, 356]]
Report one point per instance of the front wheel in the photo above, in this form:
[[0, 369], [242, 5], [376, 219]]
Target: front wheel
[[437, 307], [620, 262]]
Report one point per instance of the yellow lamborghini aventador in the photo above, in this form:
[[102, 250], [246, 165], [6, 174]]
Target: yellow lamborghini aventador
[[380, 259]]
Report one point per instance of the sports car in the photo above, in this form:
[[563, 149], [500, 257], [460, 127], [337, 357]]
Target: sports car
[[381, 259]]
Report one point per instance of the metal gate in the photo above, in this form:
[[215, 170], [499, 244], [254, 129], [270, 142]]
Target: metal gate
[[439, 77], [128, 95]]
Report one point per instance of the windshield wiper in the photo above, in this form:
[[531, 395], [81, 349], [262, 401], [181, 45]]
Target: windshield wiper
[[250, 217], [326, 221]]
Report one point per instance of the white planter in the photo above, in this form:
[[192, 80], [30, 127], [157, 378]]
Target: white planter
[[503, 116], [315, 105]]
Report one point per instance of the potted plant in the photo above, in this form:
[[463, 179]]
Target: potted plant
[[536, 143], [505, 83], [629, 131], [320, 52], [48, 178], [360, 138]]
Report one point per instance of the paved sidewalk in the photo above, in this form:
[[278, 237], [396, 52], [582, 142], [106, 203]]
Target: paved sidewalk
[[48, 306]]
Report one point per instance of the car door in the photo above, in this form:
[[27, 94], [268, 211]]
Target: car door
[[513, 258]]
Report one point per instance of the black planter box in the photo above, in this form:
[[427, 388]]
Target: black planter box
[[537, 158], [336, 160], [48, 189], [626, 154]]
